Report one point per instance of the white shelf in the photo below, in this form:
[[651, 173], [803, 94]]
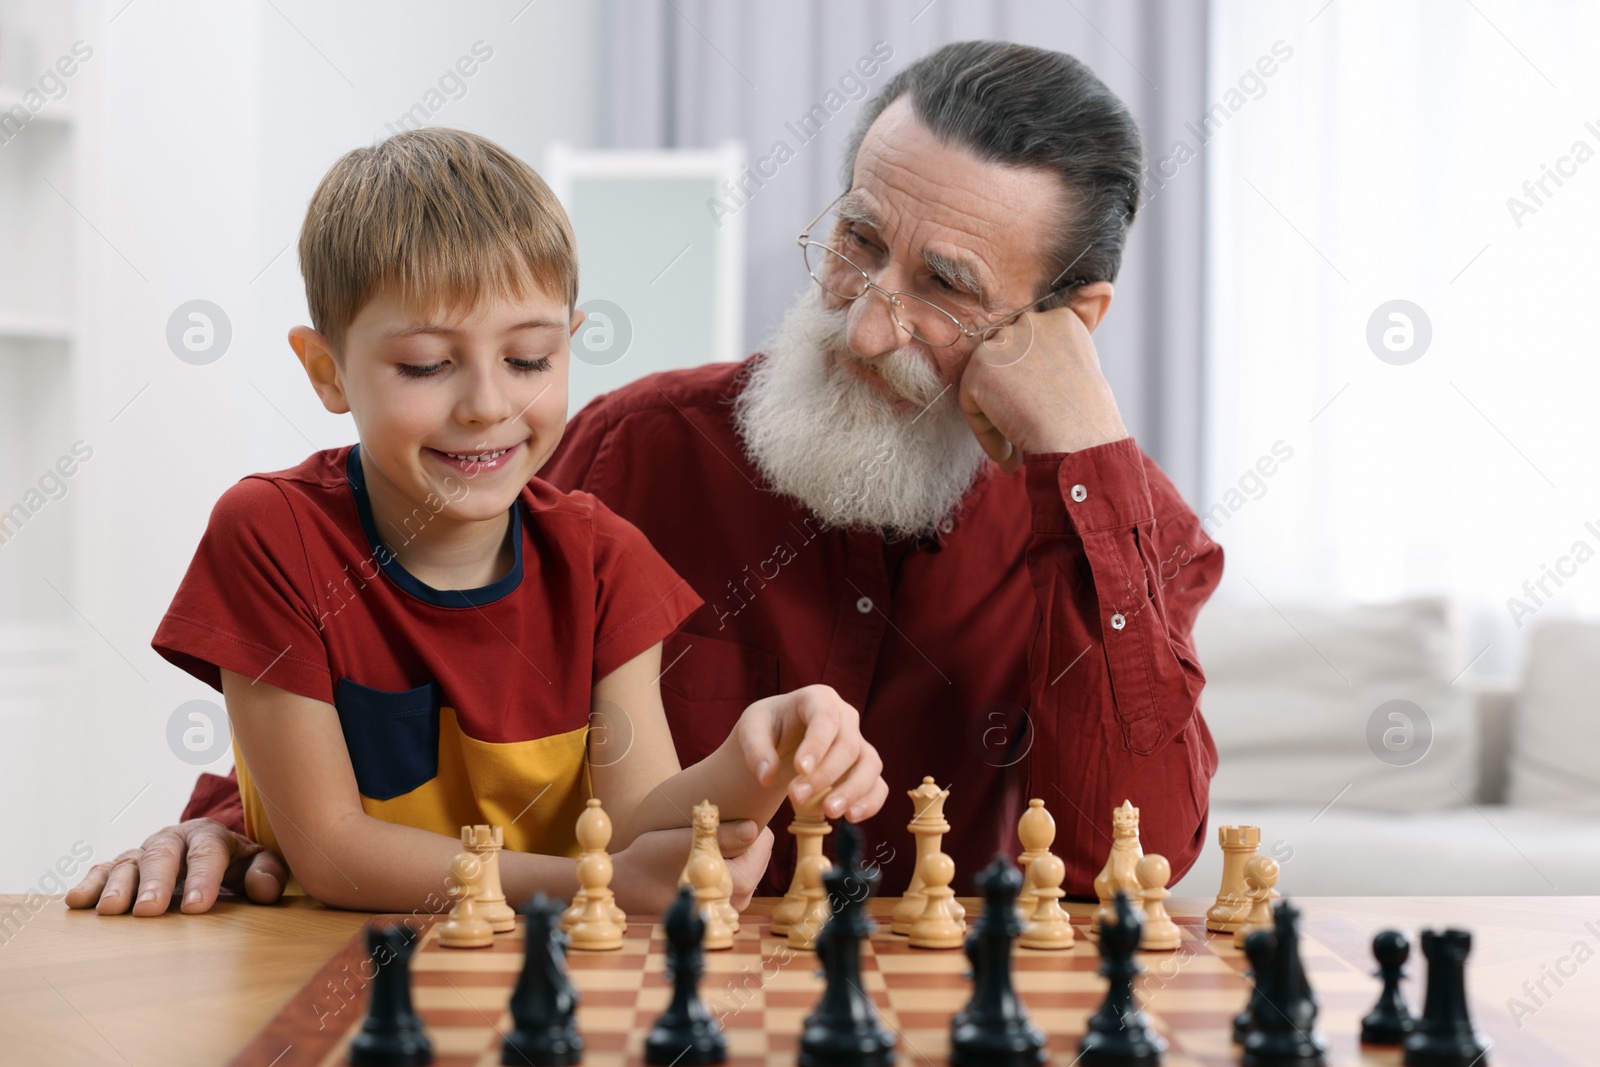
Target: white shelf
[[56, 112], [29, 328]]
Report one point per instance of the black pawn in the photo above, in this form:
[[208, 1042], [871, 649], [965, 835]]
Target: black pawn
[[1390, 1021], [391, 1035], [1120, 1034], [845, 1030], [685, 1033], [544, 1004], [1284, 1033], [994, 1030], [1258, 945], [1445, 1036]]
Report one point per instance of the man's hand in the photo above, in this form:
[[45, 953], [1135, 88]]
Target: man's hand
[[200, 855], [1037, 387], [645, 874], [812, 738]]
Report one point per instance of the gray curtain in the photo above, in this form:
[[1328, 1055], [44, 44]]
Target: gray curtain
[[695, 73]]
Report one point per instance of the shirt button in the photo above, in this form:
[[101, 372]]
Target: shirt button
[[1118, 622], [946, 524], [1079, 494], [864, 605]]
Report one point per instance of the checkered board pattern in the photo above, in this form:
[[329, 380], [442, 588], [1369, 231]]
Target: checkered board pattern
[[762, 990]]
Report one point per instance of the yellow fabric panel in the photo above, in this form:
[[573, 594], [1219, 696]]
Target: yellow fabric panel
[[534, 789]]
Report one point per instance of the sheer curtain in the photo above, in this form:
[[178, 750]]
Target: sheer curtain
[[694, 73], [1445, 155]]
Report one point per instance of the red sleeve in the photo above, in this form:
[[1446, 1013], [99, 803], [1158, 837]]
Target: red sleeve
[[1120, 569], [639, 599], [244, 603]]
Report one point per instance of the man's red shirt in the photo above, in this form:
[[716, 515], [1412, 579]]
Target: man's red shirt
[[1039, 647]]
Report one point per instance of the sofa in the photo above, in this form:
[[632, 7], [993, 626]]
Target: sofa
[[1373, 766]]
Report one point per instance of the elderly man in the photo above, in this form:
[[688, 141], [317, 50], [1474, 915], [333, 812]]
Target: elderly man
[[921, 494]]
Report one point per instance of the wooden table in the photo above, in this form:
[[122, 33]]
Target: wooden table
[[76, 987]]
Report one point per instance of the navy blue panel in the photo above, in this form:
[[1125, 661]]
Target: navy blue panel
[[393, 738], [444, 598]]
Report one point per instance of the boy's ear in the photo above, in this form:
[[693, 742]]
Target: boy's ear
[[578, 318], [317, 358]]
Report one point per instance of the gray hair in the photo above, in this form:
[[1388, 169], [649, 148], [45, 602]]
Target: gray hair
[[1029, 107]]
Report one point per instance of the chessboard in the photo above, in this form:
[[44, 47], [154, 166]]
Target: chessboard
[[762, 990]]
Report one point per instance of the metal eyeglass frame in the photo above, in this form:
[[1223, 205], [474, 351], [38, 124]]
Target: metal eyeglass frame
[[1057, 287]]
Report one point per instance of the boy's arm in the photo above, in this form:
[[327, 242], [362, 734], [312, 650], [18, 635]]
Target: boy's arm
[[341, 855], [805, 744]]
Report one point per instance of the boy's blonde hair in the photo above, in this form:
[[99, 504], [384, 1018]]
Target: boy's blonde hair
[[441, 218]]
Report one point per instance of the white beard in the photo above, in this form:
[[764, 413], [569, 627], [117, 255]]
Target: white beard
[[836, 444]]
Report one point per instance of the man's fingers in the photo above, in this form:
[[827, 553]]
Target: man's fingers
[[995, 444], [160, 866], [207, 861], [123, 879], [86, 894], [265, 878]]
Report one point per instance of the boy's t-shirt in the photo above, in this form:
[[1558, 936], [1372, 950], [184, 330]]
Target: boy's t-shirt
[[458, 707]]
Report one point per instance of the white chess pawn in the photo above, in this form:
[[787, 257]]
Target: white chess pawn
[[1048, 927], [465, 928], [705, 872], [485, 842], [1260, 875], [596, 930], [936, 927], [815, 912], [1161, 934]]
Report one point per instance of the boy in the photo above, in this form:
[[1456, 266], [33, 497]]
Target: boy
[[413, 633]]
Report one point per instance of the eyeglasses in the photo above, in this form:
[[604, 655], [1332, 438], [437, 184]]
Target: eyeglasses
[[924, 320]]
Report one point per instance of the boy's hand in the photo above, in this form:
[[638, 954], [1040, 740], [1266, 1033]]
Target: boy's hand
[[645, 874], [812, 738], [203, 855]]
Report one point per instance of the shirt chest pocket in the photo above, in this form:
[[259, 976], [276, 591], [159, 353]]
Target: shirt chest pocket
[[707, 685], [392, 737]]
